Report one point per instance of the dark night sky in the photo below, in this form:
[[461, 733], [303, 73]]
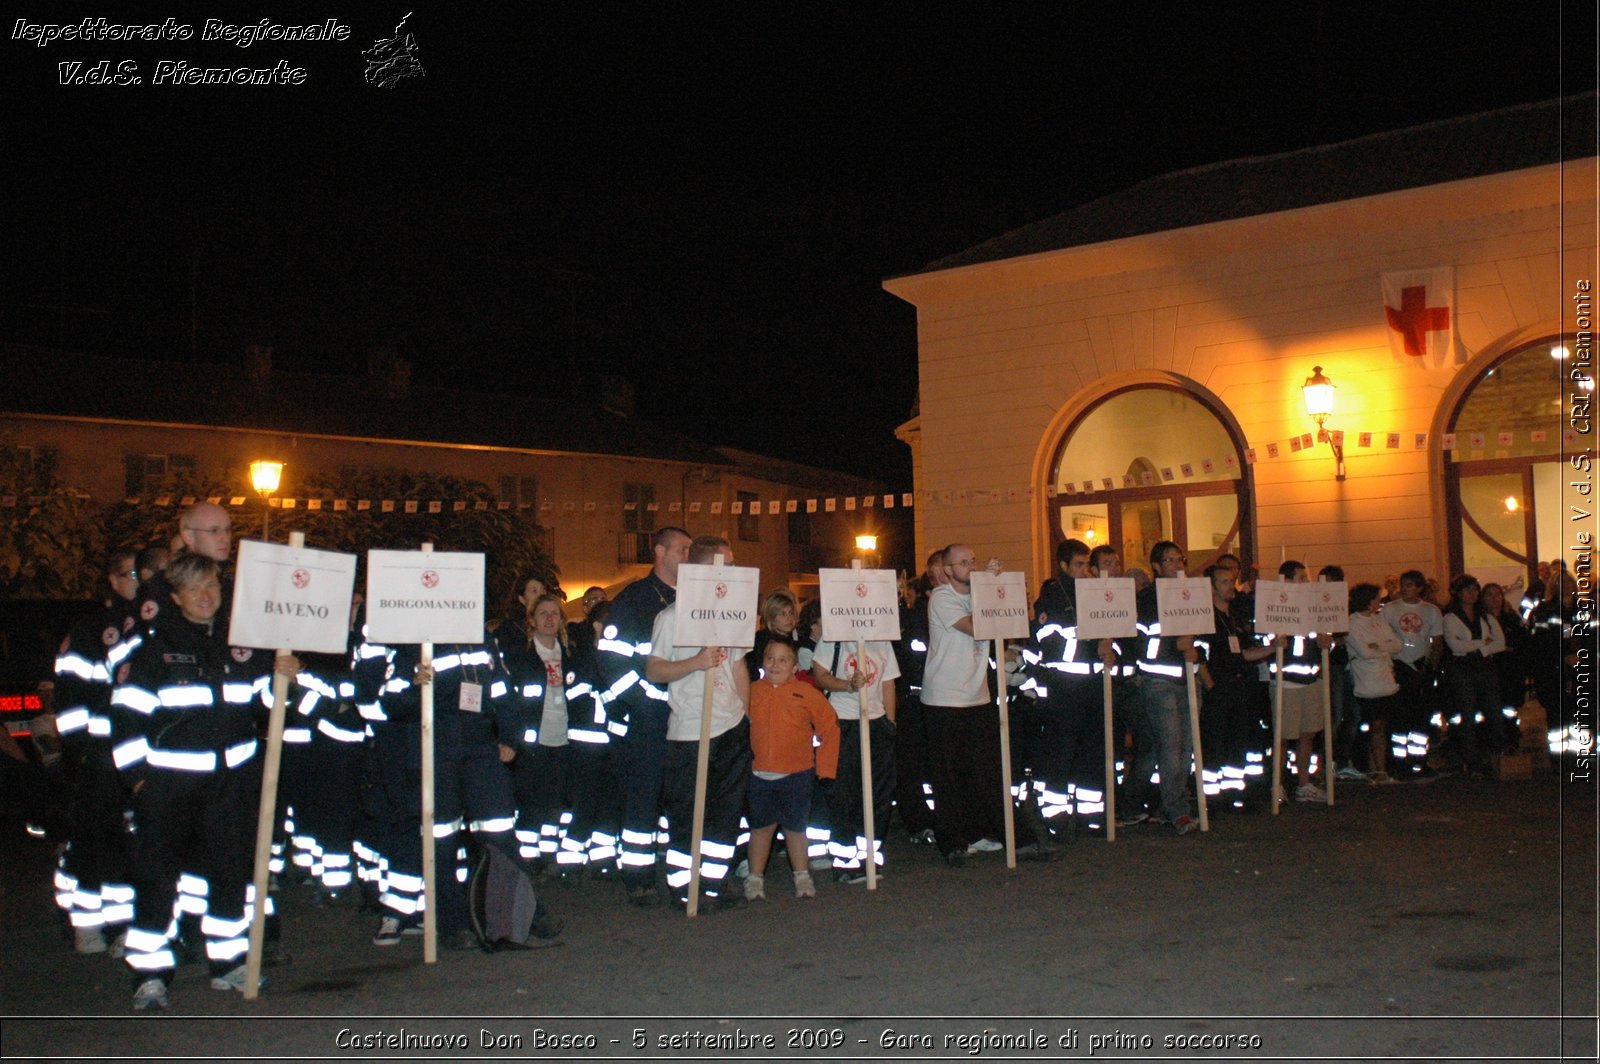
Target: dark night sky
[[702, 197]]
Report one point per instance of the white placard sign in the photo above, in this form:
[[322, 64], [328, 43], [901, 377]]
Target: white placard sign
[[717, 606], [1281, 608], [1107, 608], [292, 597], [413, 597], [859, 604], [999, 605], [1328, 606], [1184, 606]]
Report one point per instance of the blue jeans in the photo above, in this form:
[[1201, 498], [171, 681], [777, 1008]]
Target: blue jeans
[[1165, 707]]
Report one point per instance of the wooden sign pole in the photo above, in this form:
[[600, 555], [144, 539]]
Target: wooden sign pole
[[1327, 722], [1277, 728], [266, 815], [866, 764], [1189, 670], [1005, 755], [1111, 761], [430, 891], [702, 768]]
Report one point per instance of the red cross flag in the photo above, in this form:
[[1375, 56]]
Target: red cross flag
[[1419, 310]]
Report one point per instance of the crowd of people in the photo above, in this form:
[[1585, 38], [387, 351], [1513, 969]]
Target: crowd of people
[[571, 749]]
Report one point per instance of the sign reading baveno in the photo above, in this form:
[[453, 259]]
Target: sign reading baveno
[[1184, 606], [291, 597], [999, 605], [859, 604], [716, 606], [413, 597], [1107, 608]]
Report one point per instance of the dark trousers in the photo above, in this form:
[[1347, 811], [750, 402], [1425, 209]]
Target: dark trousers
[[539, 780], [849, 847], [911, 772], [964, 762], [98, 850], [203, 820], [643, 749], [727, 776], [595, 800]]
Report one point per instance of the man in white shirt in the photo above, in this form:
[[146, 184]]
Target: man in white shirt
[[684, 672], [963, 725], [1420, 626]]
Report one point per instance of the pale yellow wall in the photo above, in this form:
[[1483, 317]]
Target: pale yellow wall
[[1240, 311]]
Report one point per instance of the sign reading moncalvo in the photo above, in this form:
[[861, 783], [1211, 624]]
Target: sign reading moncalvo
[[291, 598], [1184, 606], [1107, 608], [859, 604], [424, 597], [1281, 608], [716, 606], [1328, 606], [999, 605]]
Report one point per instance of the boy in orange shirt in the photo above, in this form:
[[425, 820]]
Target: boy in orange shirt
[[784, 715]]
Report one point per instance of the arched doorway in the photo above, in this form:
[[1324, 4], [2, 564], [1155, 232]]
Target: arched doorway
[[1175, 471], [1505, 473]]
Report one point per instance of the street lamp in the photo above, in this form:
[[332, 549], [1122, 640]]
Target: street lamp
[[1318, 392], [868, 546], [265, 476]]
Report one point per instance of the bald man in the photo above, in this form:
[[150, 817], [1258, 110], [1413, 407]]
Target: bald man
[[204, 529]]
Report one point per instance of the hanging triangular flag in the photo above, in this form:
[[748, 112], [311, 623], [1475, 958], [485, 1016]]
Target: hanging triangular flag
[[811, 506], [411, 506], [905, 499], [737, 507], [363, 504], [1418, 310], [1392, 440], [772, 507], [237, 500], [1166, 473], [1250, 455], [1188, 470], [794, 504], [1504, 439], [435, 506], [1448, 441], [869, 501], [1364, 439], [888, 501], [850, 503], [459, 505], [1272, 450], [1419, 441], [1107, 482], [1295, 445], [831, 505], [716, 507]]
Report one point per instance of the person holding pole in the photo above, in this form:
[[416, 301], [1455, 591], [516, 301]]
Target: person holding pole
[[1162, 698], [785, 716], [184, 739], [1069, 769], [472, 786], [963, 726], [684, 672], [1302, 694], [636, 709], [849, 683], [1230, 719]]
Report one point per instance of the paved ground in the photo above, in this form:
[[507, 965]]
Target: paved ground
[[1452, 919]]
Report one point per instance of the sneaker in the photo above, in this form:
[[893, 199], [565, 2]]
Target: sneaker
[[236, 979], [1038, 851], [460, 941], [1350, 772], [803, 887], [89, 940], [388, 932], [956, 858], [1128, 820], [923, 837], [755, 887], [850, 876], [1310, 792], [644, 897], [985, 846], [1185, 824], [151, 995]]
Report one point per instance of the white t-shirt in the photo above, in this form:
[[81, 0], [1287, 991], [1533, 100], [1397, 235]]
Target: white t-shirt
[[957, 673], [553, 720], [1372, 645], [1416, 624], [881, 666], [686, 696]]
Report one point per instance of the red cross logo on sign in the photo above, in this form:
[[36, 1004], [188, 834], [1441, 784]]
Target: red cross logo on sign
[[1415, 319], [721, 591], [430, 578], [300, 578], [241, 654], [1000, 592], [861, 591], [1185, 594], [1110, 596]]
